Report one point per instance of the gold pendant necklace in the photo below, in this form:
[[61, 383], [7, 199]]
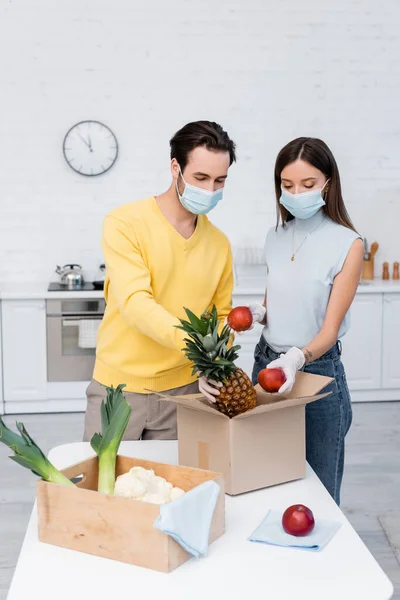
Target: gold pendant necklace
[[294, 227]]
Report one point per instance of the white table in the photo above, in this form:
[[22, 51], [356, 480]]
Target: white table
[[234, 567]]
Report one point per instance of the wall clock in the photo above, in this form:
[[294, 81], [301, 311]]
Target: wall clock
[[90, 148]]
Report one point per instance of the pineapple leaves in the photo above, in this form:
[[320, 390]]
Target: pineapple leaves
[[206, 348], [222, 362], [209, 348], [194, 324], [209, 342]]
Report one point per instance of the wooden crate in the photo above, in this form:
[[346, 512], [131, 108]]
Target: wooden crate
[[122, 529]]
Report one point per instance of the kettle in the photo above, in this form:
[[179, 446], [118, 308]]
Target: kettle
[[71, 276]]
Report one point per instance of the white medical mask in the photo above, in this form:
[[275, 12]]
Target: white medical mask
[[196, 200], [304, 205]]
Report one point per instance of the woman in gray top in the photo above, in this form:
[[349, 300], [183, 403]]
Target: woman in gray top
[[314, 259]]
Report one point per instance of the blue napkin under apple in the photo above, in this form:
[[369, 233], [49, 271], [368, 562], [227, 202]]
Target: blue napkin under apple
[[270, 531]]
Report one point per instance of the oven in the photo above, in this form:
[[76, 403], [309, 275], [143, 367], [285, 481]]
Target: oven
[[68, 358]]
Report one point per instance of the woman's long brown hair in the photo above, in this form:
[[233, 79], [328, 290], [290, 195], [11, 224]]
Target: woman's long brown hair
[[317, 154]]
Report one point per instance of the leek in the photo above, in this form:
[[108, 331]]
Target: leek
[[28, 454], [115, 415]]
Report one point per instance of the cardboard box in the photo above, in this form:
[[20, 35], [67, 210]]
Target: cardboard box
[[122, 529], [259, 448]]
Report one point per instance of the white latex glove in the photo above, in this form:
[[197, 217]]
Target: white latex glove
[[208, 388], [258, 312], [290, 363]]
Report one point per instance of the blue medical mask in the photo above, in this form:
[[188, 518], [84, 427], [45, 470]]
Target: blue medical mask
[[304, 205], [196, 200]]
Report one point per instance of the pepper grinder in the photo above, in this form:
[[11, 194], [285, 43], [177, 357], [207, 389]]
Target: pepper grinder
[[385, 272], [396, 271]]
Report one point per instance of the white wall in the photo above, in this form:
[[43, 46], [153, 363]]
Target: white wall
[[268, 70]]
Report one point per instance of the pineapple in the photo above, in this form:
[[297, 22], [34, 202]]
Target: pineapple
[[212, 357]]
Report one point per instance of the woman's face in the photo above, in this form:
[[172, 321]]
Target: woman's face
[[300, 176]]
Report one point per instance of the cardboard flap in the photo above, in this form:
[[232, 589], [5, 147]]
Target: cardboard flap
[[278, 404], [307, 385], [306, 389], [192, 401]]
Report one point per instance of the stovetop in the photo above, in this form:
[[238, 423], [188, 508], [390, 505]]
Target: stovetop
[[54, 286]]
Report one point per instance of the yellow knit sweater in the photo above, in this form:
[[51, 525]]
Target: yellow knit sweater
[[152, 273]]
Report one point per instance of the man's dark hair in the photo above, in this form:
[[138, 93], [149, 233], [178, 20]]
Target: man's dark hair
[[200, 133]]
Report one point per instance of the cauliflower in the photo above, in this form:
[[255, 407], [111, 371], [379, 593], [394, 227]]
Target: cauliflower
[[154, 498], [144, 485], [143, 474], [129, 487], [158, 485]]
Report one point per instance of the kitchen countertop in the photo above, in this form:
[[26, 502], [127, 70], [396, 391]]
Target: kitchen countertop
[[252, 285], [38, 291], [234, 568]]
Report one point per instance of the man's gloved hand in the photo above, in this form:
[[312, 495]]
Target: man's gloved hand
[[290, 363], [209, 388]]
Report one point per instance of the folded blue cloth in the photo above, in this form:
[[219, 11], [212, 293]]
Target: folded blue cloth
[[188, 519], [270, 531]]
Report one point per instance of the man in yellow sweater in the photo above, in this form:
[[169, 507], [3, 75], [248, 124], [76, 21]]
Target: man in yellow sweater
[[162, 254]]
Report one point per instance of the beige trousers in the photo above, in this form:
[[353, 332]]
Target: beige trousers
[[151, 418]]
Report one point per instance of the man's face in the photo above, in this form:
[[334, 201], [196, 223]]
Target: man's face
[[206, 169]]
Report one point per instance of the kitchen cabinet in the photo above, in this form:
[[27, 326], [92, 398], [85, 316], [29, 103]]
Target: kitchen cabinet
[[362, 345], [370, 348], [391, 342], [24, 350]]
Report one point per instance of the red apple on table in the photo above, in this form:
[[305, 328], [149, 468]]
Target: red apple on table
[[298, 520], [271, 380], [240, 318]]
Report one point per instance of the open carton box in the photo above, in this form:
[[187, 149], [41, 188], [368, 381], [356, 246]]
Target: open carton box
[[82, 519], [256, 449]]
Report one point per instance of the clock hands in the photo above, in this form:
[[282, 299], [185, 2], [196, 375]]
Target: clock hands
[[88, 143]]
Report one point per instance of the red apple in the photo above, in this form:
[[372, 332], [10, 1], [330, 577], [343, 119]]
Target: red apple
[[240, 318], [271, 379], [298, 520]]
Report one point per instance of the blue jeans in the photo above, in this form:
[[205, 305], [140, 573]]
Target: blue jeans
[[327, 420]]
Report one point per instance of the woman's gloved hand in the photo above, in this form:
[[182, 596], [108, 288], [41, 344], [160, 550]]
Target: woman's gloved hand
[[209, 388], [290, 363], [258, 312]]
